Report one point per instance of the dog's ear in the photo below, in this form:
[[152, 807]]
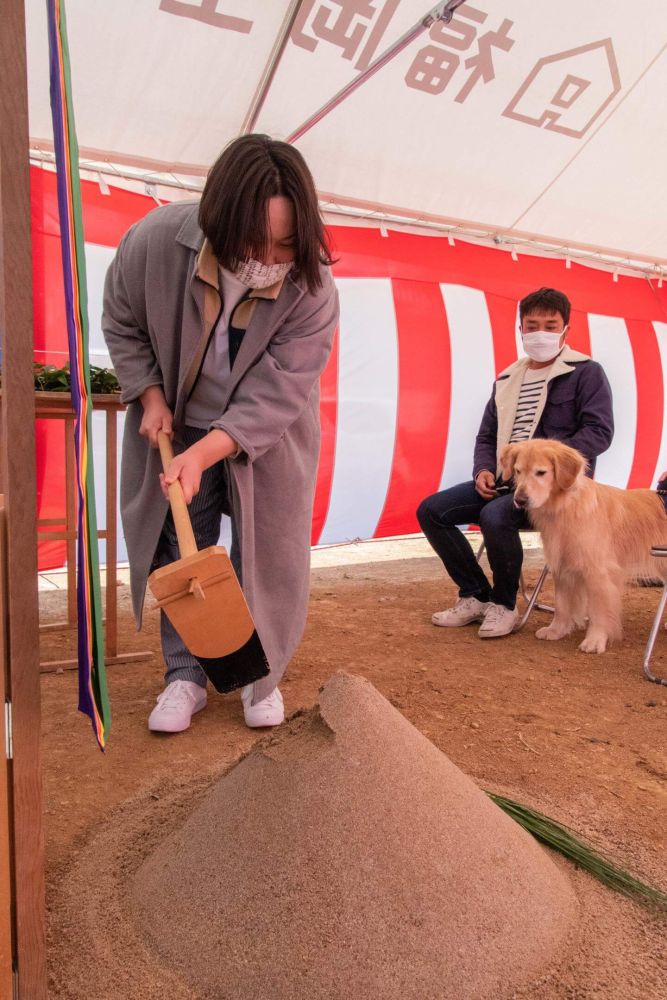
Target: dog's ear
[[507, 460], [568, 466]]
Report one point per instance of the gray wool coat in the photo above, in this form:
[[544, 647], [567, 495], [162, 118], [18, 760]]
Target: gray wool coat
[[161, 301]]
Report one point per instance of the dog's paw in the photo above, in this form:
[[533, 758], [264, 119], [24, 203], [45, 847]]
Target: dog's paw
[[549, 632], [593, 644]]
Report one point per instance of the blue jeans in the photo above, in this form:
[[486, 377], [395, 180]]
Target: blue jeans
[[499, 520]]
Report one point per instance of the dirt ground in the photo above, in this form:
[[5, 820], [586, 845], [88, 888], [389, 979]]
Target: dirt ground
[[579, 737]]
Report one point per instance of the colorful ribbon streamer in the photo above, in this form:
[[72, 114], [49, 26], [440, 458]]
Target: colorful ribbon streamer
[[93, 697]]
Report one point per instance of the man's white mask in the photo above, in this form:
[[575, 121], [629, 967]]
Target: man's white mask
[[542, 345]]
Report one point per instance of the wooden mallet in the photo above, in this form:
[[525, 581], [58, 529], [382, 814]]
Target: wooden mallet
[[201, 595]]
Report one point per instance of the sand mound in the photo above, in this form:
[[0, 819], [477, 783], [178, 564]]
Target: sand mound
[[347, 857]]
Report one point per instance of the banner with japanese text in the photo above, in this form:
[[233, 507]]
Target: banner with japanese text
[[520, 117]]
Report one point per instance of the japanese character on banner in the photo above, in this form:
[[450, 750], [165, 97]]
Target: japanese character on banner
[[207, 12], [435, 65], [355, 26]]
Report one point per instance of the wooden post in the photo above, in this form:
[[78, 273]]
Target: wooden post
[[6, 894], [17, 468], [111, 631]]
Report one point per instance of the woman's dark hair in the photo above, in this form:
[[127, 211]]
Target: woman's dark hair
[[545, 300], [233, 212]]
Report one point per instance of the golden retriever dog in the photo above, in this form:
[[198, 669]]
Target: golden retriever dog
[[594, 537]]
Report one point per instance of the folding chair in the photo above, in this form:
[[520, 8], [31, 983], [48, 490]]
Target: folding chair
[[659, 551], [530, 599]]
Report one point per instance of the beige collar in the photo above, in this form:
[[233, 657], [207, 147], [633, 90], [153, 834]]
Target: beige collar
[[206, 270], [563, 363], [508, 387]]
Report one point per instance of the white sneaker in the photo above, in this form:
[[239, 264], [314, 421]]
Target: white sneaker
[[465, 611], [267, 712], [498, 621], [175, 707]]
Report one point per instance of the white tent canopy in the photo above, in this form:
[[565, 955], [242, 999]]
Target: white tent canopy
[[532, 120]]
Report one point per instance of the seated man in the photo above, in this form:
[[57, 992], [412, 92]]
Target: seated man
[[554, 392]]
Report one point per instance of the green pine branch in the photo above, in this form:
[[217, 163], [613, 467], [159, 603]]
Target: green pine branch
[[560, 839]]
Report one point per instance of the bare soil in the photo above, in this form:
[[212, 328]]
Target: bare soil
[[580, 737]]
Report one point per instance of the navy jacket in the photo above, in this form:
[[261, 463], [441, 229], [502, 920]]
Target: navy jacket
[[577, 411]]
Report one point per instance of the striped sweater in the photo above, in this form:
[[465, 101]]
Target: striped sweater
[[530, 394]]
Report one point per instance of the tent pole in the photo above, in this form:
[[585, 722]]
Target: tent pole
[[17, 467], [271, 68], [441, 12]]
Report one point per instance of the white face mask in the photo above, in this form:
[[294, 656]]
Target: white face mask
[[541, 345], [254, 274]]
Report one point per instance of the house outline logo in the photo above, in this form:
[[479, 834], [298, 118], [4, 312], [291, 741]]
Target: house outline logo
[[573, 86]]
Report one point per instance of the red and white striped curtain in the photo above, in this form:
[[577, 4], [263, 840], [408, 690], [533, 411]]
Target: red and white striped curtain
[[424, 329]]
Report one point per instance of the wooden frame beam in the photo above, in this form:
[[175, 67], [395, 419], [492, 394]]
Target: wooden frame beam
[[17, 469]]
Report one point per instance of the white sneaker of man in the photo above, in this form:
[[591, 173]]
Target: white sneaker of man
[[465, 611], [498, 621], [175, 707], [270, 711]]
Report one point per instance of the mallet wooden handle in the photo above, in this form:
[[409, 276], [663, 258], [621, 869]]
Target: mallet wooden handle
[[179, 509]]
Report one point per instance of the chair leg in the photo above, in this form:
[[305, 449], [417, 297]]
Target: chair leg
[[532, 600], [540, 584], [648, 652], [536, 593]]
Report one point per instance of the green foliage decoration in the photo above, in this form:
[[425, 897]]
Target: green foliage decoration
[[48, 378]]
